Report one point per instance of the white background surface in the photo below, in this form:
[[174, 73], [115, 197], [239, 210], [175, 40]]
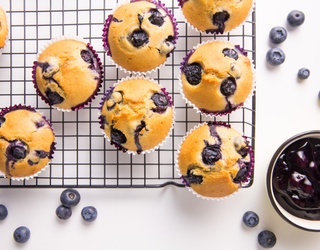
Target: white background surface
[[173, 218]]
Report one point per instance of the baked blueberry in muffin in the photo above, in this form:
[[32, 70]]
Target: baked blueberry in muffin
[[216, 77], [215, 160], [136, 115], [215, 16], [68, 74], [26, 142], [140, 35]]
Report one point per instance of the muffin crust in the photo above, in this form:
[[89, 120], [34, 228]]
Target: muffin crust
[[136, 115]]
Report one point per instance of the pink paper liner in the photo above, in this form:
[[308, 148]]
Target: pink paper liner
[[94, 94], [246, 182], [106, 45], [208, 112], [53, 145], [101, 122]]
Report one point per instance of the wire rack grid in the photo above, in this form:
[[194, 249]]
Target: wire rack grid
[[83, 157]]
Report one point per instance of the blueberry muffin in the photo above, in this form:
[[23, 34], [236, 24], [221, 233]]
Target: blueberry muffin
[[140, 35], [215, 16], [27, 142], [214, 160], [136, 115], [3, 29], [216, 77], [67, 74]]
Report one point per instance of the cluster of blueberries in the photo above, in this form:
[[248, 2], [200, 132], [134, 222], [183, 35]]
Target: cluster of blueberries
[[266, 238], [278, 34], [69, 198]]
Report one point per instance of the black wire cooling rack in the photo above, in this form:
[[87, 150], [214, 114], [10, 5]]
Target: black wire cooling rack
[[83, 157]]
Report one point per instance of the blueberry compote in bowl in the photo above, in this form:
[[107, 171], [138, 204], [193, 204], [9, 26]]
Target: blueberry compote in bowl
[[293, 180]]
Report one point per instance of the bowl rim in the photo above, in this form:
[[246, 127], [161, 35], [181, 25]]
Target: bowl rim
[[281, 148]]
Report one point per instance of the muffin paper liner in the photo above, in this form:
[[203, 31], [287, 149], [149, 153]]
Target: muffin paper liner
[[8, 35], [180, 4], [119, 147], [106, 45], [207, 113], [99, 84], [244, 184], [52, 149]]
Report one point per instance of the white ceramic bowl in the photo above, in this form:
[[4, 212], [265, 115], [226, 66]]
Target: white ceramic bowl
[[305, 224]]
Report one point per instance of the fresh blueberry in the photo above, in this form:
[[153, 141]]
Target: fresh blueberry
[[138, 38], [70, 197], [267, 239], [21, 234], [228, 86], [3, 212], [275, 56], [156, 18], [295, 18], [117, 136], [303, 73], [63, 212], [89, 213], [250, 219], [193, 73], [278, 34]]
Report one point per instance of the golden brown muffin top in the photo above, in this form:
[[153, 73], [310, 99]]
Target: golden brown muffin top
[[213, 160], [140, 36], [137, 115], [68, 74], [217, 77], [216, 16], [26, 143], [3, 28]]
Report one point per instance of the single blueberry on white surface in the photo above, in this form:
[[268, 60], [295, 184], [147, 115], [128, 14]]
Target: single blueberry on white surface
[[250, 219], [295, 18], [278, 34], [3, 212], [70, 197], [303, 73], [267, 239], [89, 213], [275, 56], [63, 212], [21, 234]]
